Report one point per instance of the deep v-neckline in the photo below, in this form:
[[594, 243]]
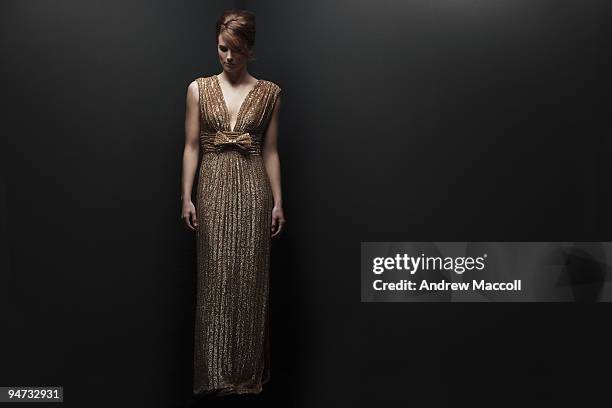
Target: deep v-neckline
[[240, 108]]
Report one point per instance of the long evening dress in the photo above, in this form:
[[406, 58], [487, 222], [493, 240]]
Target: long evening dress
[[234, 207]]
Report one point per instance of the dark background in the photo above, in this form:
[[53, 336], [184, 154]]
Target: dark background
[[423, 120]]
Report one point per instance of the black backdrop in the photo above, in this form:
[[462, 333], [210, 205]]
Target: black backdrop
[[428, 120]]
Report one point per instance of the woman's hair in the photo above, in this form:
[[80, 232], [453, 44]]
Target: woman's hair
[[238, 29]]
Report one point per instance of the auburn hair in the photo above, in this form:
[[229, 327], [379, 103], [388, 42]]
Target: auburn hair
[[238, 30]]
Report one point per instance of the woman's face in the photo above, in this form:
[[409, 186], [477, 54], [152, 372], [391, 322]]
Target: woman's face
[[230, 59]]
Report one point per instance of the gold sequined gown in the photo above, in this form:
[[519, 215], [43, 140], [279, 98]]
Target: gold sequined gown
[[234, 207]]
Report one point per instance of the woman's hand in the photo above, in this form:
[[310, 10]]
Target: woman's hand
[[188, 215], [278, 220]]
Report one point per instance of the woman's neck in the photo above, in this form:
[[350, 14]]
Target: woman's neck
[[235, 78]]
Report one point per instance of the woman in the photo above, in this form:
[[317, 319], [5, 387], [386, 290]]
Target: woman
[[233, 118]]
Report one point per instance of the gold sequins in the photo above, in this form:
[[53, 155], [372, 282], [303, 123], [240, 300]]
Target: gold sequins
[[234, 209]]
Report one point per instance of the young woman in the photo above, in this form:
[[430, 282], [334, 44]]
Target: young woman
[[233, 118]]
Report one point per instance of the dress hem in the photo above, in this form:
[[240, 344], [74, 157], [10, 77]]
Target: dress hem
[[232, 389]]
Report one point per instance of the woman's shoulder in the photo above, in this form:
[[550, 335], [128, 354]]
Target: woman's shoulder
[[204, 78], [271, 85], [195, 83], [201, 82]]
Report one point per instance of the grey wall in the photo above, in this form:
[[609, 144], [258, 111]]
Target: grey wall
[[437, 121]]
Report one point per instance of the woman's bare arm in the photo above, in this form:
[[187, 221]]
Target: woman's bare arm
[[190, 155], [272, 164]]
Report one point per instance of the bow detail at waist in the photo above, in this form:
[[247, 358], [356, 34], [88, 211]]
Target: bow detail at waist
[[241, 140], [244, 142], [222, 139]]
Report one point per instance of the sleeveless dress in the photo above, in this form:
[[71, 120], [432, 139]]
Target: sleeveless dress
[[234, 213]]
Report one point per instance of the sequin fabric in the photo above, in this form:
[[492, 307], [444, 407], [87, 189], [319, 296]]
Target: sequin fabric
[[234, 208]]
